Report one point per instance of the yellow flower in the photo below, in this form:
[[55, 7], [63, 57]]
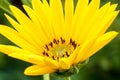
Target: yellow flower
[[54, 40]]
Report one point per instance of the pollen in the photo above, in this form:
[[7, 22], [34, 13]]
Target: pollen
[[59, 48]]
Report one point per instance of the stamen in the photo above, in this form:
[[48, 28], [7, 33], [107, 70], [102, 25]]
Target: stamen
[[57, 41], [54, 41], [47, 47], [47, 55], [67, 54], [51, 44], [53, 57], [44, 53], [63, 55], [62, 40], [74, 44], [57, 58], [70, 41]]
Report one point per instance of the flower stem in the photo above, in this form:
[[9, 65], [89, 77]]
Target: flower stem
[[68, 78], [46, 77]]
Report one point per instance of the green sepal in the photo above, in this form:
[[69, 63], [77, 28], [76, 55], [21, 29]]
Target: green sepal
[[80, 65], [73, 70]]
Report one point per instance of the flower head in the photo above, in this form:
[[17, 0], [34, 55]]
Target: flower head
[[54, 40]]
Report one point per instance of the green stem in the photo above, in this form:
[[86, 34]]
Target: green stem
[[46, 77], [68, 78]]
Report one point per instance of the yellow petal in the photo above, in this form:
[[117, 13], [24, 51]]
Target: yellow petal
[[81, 5], [14, 36], [37, 25], [21, 17], [96, 17], [110, 19], [51, 63], [7, 49], [85, 16], [85, 47], [22, 31], [43, 17], [69, 11], [111, 9], [63, 64], [73, 56], [80, 12], [36, 59], [38, 70], [24, 20], [100, 42], [45, 3], [95, 3], [104, 22], [23, 55], [38, 8], [57, 16]]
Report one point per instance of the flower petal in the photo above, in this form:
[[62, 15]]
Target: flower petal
[[99, 14], [35, 20], [15, 37], [51, 63], [73, 56], [103, 21], [85, 47], [69, 11], [8, 49], [63, 64], [22, 55], [96, 17], [110, 19], [22, 31], [57, 16], [80, 12], [43, 17], [45, 3], [81, 5], [85, 16], [24, 20], [38, 8], [100, 42], [38, 70], [36, 59]]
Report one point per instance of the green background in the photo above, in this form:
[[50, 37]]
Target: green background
[[104, 65]]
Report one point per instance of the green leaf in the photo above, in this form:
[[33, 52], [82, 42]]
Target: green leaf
[[4, 5], [27, 2]]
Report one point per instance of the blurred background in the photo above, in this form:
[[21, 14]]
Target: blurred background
[[104, 65]]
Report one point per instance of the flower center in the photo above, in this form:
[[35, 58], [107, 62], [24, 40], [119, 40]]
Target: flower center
[[59, 48], [61, 51]]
